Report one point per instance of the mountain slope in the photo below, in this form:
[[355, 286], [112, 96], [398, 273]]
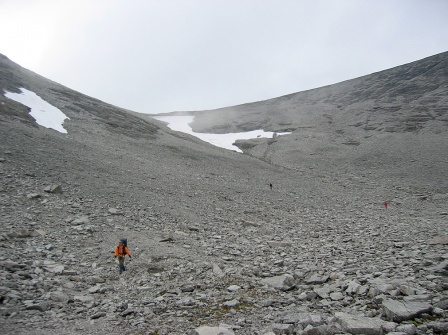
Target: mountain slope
[[400, 99], [394, 120], [283, 243]]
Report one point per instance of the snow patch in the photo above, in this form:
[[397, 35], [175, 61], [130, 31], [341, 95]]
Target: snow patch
[[45, 114], [182, 124]]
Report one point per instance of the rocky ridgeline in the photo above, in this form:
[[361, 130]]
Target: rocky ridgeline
[[320, 273]]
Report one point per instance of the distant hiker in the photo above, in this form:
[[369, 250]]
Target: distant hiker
[[385, 204], [270, 185], [121, 251]]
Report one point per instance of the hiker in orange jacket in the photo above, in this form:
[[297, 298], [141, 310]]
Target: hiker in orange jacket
[[121, 251]]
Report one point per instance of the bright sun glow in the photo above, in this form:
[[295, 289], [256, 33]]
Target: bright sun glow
[[27, 33], [30, 29]]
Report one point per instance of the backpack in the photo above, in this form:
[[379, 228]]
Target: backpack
[[122, 250]]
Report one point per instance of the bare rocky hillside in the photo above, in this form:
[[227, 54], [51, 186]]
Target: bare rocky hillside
[[395, 121], [214, 248]]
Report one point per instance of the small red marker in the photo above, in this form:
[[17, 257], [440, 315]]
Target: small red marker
[[385, 204]]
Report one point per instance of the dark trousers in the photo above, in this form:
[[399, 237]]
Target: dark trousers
[[121, 264]]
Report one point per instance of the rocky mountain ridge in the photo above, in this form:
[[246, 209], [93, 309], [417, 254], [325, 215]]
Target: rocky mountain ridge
[[215, 249], [361, 122], [408, 96]]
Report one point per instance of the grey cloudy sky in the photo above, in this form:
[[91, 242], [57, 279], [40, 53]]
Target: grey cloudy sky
[[155, 56]]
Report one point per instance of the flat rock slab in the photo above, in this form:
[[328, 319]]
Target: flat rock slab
[[127, 312], [303, 319], [41, 306], [98, 315], [279, 328], [205, 330], [232, 303], [439, 240], [399, 311], [57, 296], [443, 304], [53, 189], [284, 282], [439, 327], [83, 298], [316, 280], [233, 288], [360, 325], [278, 244]]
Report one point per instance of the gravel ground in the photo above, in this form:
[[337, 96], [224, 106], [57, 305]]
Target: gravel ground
[[212, 244]]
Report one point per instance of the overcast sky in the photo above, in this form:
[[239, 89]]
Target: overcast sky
[[155, 56]]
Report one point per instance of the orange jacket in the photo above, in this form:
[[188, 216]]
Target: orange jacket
[[121, 250]]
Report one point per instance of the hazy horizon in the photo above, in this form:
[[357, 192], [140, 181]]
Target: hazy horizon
[[185, 55]]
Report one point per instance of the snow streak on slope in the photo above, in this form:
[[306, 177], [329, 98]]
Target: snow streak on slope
[[45, 114], [182, 123]]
